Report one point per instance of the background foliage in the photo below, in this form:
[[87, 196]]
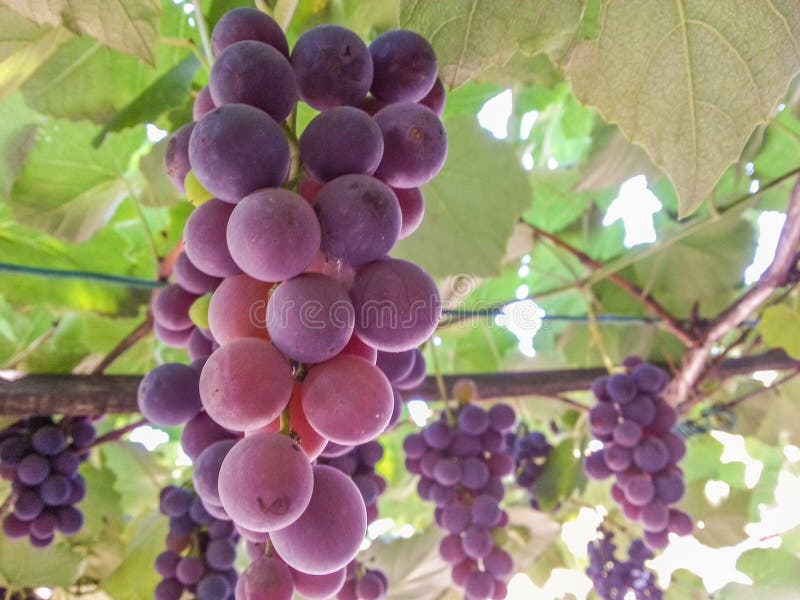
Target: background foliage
[[697, 96]]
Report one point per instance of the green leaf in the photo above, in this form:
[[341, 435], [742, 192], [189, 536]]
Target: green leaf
[[471, 37], [780, 328], [771, 415], [130, 26], [685, 585], [530, 533], [470, 211], [27, 57], [562, 475], [775, 574], [157, 189], [22, 565], [688, 81], [614, 160], [17, 136], [161, 95], [555, 202], [66, 188], [139, 478]]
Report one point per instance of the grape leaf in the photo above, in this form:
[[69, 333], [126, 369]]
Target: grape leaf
[[139, 478], [157, 189], [471, 37], [775, 574], [22, 565], [470, 210], [73, 207], [130, 26], [28, 54], [562, 475], [780, 328], [17, 135], [556, 203], [690, 80]]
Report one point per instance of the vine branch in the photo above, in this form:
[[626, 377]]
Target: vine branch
[[124, 344], [776, 275], [669, 322]]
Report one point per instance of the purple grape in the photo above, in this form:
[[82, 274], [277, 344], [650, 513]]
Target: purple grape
[[441, 495], [485, 511], [436, 98], [78, 489], [447, 472], [665, 419], [456, 518], [341, 141], [333, 67], [370, 586], [310, 318], [66, 463], [368, 488], [627, 433], [273, 234], [641, 409], [397, 305], [473, 420], [474, 473], [33, 469], [237, 149], [417, 374], [651, 455], [600, 389], [640, 489], [41, 542], [370, 453], [649, 378], [654, 516], [49, 440], [203, 104], [451, 550], [603, 418], [412, 207], [166, 563], [479, 585], [15, 528], [199, 346], [241, 24], [220, 554], [359, 217], [199, 514], [44, 526], [621, 388], [679, 522], [176, 156], [169, 394], [181, 526], [83, 433], [28, 505], [501, 465], [168, 589], [220, 529], [55, 490], [675, 445], [438, 435], [204, 234], [190, 570], [192, 279], [464, 445], [498, 563], [213, 587], [12, 450], [415, 145], [256, 74], [669, 485], [502, 417], [405, 66], [171, 307], [206, 470], [617, 457], [595, 466], [69, 520], [414, 446]]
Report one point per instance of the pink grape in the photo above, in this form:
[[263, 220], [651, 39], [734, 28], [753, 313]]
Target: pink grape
[[238, 309]]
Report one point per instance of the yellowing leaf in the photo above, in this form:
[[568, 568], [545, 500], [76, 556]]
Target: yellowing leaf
[[689, 80], [780, 328]]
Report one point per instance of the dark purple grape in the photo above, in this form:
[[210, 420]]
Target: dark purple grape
[[83, 433], [15, 528], [78, 489], [200, 433], [669, 485], [256, 74], [359, 217], [675, 445], [600, 390], [169, 394], [412, 207], [33, 469], [396, 365], [405, 66], [237, 149], [69, 520], [175, 501], [171, 307], [190, 570], [166, 563], [603, 418], [415, 145], [341, 141], [621, 388], [12, 450], [485, 511], [66, 463], [206, 245], [199, 346], [665, 419], [333, 67], [651, 455], [220, 554], [203, 104], [627, 433], [438, 435], [176, 156], [44, 526], [370, 586], [213, 587], [28, 505], [641, 409], [49, 440], [241, 24], [181, 526], [435, 100], [473, 420], [56, 490], [414, 446], [649, 378]]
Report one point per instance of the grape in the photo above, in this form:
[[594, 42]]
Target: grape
[[450, 549], [318, 586], [370, 453], [654, 516], [255, 74], [206, 470], [43, 526], [649, 378], [617, 458], [238, 309], [396, 303], [347, 400], [358, 348], [460, 572], [166, 563], [603, 419], [447, 472], [396, 365], [28, 505], [474, 473], [241, 24], [438, 435], [200, 433], [428, 463], [600, 390], [334, 450], [15, 528], [478, 585], [679, 522], [192, 279], [641, 410], [204, 234], [181, 526], [49, 440], [176, 156], [12, 450], [273, 234], [310, 318], [627, 433], [370, 586], [665, 419], [172, 338], [621, 388], [669, 486], [175, 542], [493, 441], [220, 529], [33, 469], [213, 587], [405, 66], [473, 420], [435, 100], [651, 455], [245, 384], [657, 540], [78, 489], [171, 307], [412, 209], [501, 465], [675, 445], [340, 141], [640, 489], [190, 570], [203, 104], [485, 511], [237, 149], [456, 518], [359, 217], [414, 446], [168, 589], [329, 532], [221, 554], [415, 145], [498, 563], [168, 395], [502, 417], [416, 376], [55, 490], [265, 482], [83, 433], [333, 67]]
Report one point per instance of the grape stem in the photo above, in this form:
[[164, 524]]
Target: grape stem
[[284, 11], [5, 508], [202, 29], [130, 340], [114, 435]]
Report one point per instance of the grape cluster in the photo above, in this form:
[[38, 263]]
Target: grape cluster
[[613, 579], [529, 451], [359, 463], [41, 458], [362, 583], [461, 459], [201, 550], [303, 295], [640, 450]]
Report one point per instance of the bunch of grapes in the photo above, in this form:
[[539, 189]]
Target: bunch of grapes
[[41, 458], [461, 459], [362, 583], [201, 550], [529, 451], [640, 450], [304, 295], [613, 579]]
